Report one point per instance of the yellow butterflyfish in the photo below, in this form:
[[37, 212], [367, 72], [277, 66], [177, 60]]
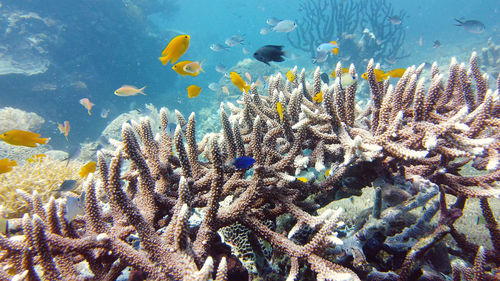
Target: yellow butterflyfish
[[302, 179], [193, 91], [22, 138], [344, 70], [6, 165], [279, 108], [87, 169], [175, 49], [290, 76], [379, 75], [239, 82], [318, 97]]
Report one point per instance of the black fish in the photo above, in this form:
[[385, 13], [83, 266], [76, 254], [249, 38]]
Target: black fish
[[472, 26], [436, 44], [324, 78], [269, 53]]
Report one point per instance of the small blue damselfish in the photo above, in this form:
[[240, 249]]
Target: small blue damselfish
[[244, 162]]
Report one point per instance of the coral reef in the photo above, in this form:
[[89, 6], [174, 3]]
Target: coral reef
[[160, 213], [13, 118], [43, 176], [327, 20]]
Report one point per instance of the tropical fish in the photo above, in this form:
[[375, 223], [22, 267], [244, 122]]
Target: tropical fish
[[395, 20], [87, 104], [347, 80], [67, 185], [22, 138], [290, 76], [302, 179], [193, 91], [249, 77], [472, 26], [264, 30], [243, 163], [6, 165], [37, 157], [213, 86], [216, 47], [285, 26], [193, 67], [324, 78], [74, 206], [87, 169], [127, 91], [396, 73], [239, 82], [170, 129], [328, 47], [279, 108], [320, 57], [64, 129], [379, 75], [436, 44], [105, 113], [344, 70], [272, 21], [225, 90], [327, 172], [269, 53], [318, 97], [220, 68], [234, 40], [179, 68], [175, 49], [245, 51]]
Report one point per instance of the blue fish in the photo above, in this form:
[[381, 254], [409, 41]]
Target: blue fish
[[242, 163]]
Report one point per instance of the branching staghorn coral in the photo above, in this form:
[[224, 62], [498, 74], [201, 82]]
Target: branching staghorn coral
[[421, 135]]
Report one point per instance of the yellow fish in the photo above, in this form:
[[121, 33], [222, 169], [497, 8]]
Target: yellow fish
[[327, 172], [23, 138], [175, 49], [290, 76], [279, 108], [302, 179], [6, 165], [193, 67], [37, 157], [193, 91], [127, 90], [239, 82], [396, 73], [318, 97], [344, 70], [87, 169], [379, 75], [179, 68]]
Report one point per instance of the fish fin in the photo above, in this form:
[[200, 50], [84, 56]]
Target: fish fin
[[333, 42], [460, 22], [141, 90], [201, 64], [89, 112], [335, 51], [164, 60], [42, 140]]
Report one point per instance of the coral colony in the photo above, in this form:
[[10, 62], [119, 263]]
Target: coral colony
[[158, 207]]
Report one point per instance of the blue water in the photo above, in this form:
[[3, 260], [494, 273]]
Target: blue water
[[108, 43]]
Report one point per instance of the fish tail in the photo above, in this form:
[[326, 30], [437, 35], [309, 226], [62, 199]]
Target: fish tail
[[141, 90], [42, 140], [66, 138], [460, 22], [247, 88], [89, 112], [335, 51], [164, 60]]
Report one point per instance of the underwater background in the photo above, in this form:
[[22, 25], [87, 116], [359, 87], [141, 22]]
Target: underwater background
[[54, 53]]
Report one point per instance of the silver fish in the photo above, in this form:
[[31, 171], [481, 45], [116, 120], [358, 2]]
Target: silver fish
[[395, 20], [472, 26], [320, 57], [67, 185], [216, 47], [264, 30], [285, 26], [272, 21], [74, 206]]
